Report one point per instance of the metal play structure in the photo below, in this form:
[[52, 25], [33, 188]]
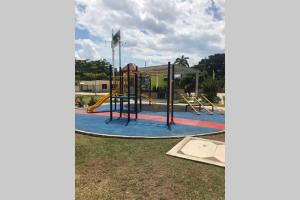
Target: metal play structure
[[127, 87]]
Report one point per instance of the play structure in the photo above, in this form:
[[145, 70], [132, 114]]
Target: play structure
[[200, 102], [127, 87], [132, 111], [127, 115]]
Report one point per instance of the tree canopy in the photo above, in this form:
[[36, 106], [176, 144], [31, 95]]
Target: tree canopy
[[91, 70], [182, 61]]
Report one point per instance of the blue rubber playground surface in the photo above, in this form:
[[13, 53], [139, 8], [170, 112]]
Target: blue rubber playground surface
[[148, 125]]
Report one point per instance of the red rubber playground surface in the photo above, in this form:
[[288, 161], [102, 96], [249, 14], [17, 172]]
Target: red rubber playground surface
[[149, 124]]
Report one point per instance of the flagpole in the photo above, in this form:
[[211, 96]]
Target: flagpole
[[113, 54], [120, 51]]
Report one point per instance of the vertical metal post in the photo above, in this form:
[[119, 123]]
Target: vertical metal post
[[120, 89], [128, 93], [168, 96], [110, 92], [197, 85], [115, 99], [113, 52], [140, 88], [150, 89], [122, 94], [135, 91], [172, 95]]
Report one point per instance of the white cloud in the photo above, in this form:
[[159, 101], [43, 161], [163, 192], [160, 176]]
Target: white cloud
[[156, 29]]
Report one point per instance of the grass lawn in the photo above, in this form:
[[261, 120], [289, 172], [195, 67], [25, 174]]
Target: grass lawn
[[113, 168]]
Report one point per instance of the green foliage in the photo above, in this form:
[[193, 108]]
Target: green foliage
[[79, 101], [210, 88], [102, 76], [182, 61], [92, 101], [91, 70], [188, 83], [213, 65]]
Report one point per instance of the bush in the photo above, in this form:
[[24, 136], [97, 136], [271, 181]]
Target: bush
[[79, 101], [188, 83], [92, 101], [210, 88], [161, 92]]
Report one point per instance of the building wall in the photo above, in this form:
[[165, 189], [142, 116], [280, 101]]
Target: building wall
[[94, 86], [161, 81]]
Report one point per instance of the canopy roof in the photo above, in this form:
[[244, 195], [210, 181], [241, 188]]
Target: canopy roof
[[132, 67], [163, 70]]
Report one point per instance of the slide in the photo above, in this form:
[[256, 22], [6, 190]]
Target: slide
[[147, 97], [190, 104], [91, 108]]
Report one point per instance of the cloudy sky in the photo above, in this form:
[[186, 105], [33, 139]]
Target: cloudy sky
[[157, 31]]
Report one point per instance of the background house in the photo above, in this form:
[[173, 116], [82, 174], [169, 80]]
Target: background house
[[93, 86]]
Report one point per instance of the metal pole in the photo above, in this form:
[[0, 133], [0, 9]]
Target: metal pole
[[140, 87], [135, 91], [110, 92], [150, 89], [172, 95], [168, 96], [120, 68], [197, 85], [120, 90], [113, 52], [128, 93], [113, 63]]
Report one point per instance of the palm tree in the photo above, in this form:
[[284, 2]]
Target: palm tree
[[183, 61]]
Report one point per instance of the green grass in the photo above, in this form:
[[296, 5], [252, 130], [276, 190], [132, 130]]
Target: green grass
[[114, 168]]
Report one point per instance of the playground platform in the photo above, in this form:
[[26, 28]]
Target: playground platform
[[150, 124]]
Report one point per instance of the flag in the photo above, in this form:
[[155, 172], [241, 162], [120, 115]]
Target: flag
[[115, 39]]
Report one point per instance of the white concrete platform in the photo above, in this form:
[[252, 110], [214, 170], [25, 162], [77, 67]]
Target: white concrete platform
[[201, 150]]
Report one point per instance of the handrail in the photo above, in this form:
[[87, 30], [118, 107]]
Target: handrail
[[203, 106], [194, 109], [204, 97]]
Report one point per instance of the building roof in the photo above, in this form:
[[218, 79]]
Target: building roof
[[132, 67], [163, 70]]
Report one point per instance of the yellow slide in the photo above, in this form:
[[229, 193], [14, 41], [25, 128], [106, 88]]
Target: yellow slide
[[91, 108]]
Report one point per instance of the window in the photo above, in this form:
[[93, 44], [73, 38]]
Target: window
[[104, 86]]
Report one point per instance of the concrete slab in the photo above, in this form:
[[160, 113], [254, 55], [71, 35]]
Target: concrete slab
[[201, 150]]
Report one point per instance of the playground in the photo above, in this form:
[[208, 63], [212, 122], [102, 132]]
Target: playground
[[134, 142], [133, 113]]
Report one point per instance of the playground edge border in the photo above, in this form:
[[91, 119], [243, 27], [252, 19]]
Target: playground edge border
[[143, 137]]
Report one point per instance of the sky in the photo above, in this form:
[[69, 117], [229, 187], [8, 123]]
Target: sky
[[155, 31]]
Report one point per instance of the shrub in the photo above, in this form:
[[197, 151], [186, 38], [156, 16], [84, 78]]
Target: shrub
[[161, 92], [210, 88], [79, 101], [92, 101]]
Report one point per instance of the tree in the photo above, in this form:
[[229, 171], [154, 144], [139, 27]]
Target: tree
[[214, 64], [210, 88], [188, 83], [183, 61], [91, 70]]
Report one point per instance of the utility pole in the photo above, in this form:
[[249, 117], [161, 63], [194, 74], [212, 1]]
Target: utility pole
[[120, 64], [113, 55]]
